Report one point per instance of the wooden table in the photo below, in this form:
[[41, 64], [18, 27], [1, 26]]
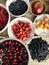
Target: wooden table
[[28, 15]]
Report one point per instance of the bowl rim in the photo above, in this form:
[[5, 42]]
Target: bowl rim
[[7, 6], [38, 1], [40, 16], [29, 60], [8, 19]]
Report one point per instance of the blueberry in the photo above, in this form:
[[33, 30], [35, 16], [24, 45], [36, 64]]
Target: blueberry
[[38, 49], [18, 7]]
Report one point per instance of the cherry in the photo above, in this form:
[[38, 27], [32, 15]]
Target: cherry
[[19, 57], [21, 30], [15, 54], [17, 49], [1, 51], [9, 43]]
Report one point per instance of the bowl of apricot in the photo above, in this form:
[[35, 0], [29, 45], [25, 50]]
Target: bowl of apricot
[[42, 25]]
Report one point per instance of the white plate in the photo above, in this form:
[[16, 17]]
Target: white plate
[[41, 32], [10, 31]]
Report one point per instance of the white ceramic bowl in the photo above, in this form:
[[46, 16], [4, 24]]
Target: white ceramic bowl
[[7, 21], [21, 43], [35, 62], [10, 31], [8, 2], [42, 32]]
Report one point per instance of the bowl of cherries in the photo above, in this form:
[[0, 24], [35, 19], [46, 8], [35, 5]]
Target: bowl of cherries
[[13, 52], [4, 18], [37, 7], [21, 28]]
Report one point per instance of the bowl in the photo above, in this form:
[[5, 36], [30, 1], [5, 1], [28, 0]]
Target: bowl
[[7, 39], [8, 2], [41, 32], [32, 2], [46, 60], [7, 21], [32, 25]]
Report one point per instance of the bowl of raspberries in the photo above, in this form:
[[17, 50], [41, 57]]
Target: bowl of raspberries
[[4, 18], [13, 52], [21, 28], [17, 8]]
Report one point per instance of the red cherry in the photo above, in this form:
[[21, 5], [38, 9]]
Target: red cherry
[[10, 54], [18, 52], [22, 31], [10, 57], [1, 51], [6, 43], [25, 55], [26, 29], [14, 61], [12, 43], [13, 48], [3, 44], [19, 57], [9, 42], [16, 43], [17, 49], [24, 38], [19, 45], [6, 49], [6, 57], [38, 7]]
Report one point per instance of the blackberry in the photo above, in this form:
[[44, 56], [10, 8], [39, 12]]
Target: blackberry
[[38, 49], [18, 7]]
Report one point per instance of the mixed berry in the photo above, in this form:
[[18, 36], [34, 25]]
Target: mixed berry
[[3, 17], [18, 7], [13, 52], [21, 30]]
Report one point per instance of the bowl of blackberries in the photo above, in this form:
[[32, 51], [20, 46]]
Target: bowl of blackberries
[[17, 8], [13, 52], [39, 49], [4, 18]]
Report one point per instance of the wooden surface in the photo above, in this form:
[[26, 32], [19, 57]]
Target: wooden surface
[[32, 17]]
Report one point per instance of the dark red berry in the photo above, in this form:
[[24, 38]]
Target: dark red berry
[[21, 30]]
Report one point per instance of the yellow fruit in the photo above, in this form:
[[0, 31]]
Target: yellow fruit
[[46, 19], [38, 27], [45, 28], [41, 25], [43, 22], [37, 22], [46, 24]]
